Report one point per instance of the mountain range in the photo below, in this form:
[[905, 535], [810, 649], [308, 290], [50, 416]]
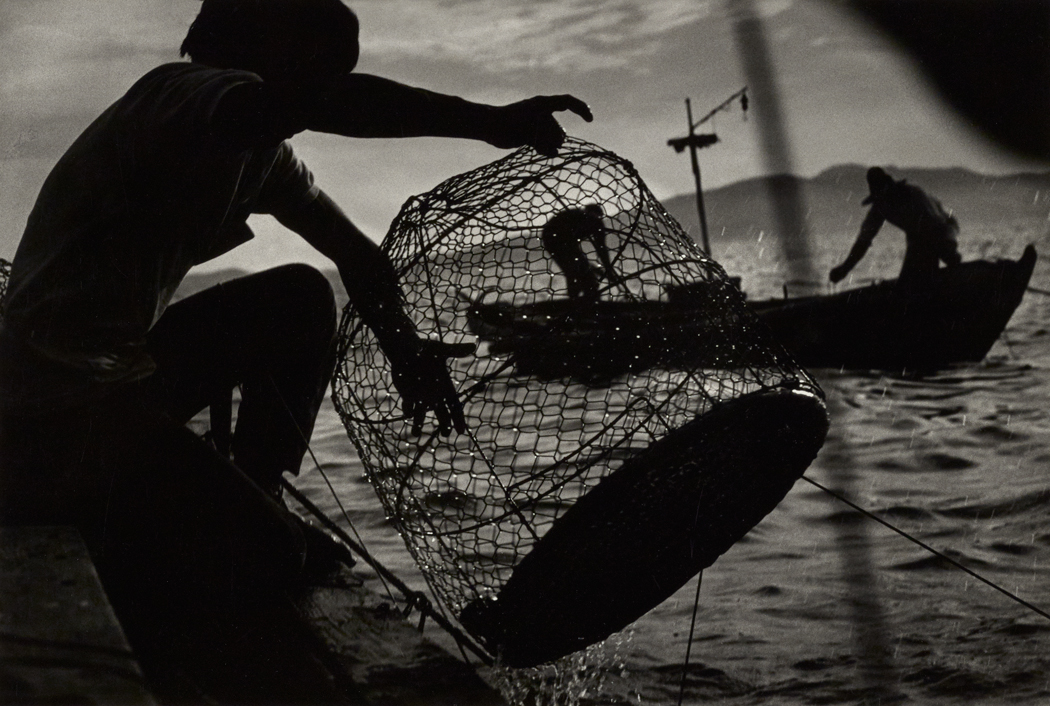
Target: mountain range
[[833, 210], [987, 207]]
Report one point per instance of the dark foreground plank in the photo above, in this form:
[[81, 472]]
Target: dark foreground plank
[[335, 642], [368, 644], [59, 639]]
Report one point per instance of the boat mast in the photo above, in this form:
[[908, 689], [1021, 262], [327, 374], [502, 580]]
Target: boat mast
[[696, 141]]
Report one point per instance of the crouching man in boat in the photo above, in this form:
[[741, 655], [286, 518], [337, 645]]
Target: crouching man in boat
[[931, 232], [562, 237], [98, 374]]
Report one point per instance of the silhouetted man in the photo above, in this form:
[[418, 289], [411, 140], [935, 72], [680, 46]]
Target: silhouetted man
[[98, 374], [562, 237], [930, 231]]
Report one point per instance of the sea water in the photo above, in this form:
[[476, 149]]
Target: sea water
[[820, 604]]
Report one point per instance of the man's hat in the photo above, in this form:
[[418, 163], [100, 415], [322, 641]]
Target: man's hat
[[878, 181]]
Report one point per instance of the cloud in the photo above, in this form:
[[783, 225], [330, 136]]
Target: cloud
[[505, 35], [72, 55]]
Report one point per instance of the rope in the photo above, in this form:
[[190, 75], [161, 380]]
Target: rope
[[928, 548], [689, 645], [412, 597], [342, 509], [327, 480]]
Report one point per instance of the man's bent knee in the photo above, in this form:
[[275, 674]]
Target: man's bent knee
[[306, 296], [308, 285]]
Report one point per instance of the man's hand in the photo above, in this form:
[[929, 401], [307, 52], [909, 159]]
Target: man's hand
[[421, 378], [531, 122], [837, 273]]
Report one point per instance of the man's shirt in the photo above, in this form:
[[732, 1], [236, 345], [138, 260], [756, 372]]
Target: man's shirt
[[145, 193], [911, 209]]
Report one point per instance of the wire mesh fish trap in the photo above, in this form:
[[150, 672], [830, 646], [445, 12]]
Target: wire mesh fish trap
[[625, 428]]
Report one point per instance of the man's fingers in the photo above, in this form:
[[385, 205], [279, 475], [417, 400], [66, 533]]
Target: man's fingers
[[458, 420], [442, 350], [547, 148], [444, 420], [431, 390], [570, 103], [549, 136], [418, 417], [460, 350], [455, 350]]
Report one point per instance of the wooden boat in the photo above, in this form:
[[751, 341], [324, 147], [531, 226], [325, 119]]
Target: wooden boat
[[597, 340], [875, 327]]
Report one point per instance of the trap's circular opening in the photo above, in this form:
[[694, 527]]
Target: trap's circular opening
[[651, 525]]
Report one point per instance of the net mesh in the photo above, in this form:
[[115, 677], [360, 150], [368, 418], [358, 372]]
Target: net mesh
[[628, 418], [580, 371]]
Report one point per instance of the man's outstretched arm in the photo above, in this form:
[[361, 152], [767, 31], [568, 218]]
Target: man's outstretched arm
[[418, 365], [869, 228], [601, 248], [362, 105]]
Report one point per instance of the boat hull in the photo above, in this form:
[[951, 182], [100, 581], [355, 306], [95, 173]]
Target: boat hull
[[869, 328], [875, 327], [597, 341]]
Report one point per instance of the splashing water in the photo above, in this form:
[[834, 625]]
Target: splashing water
[[596, 673]]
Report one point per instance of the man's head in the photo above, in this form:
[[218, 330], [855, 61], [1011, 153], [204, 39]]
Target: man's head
[[878, 182], [277, 39]]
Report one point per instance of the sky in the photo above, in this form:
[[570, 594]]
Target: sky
[[847, 95]]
